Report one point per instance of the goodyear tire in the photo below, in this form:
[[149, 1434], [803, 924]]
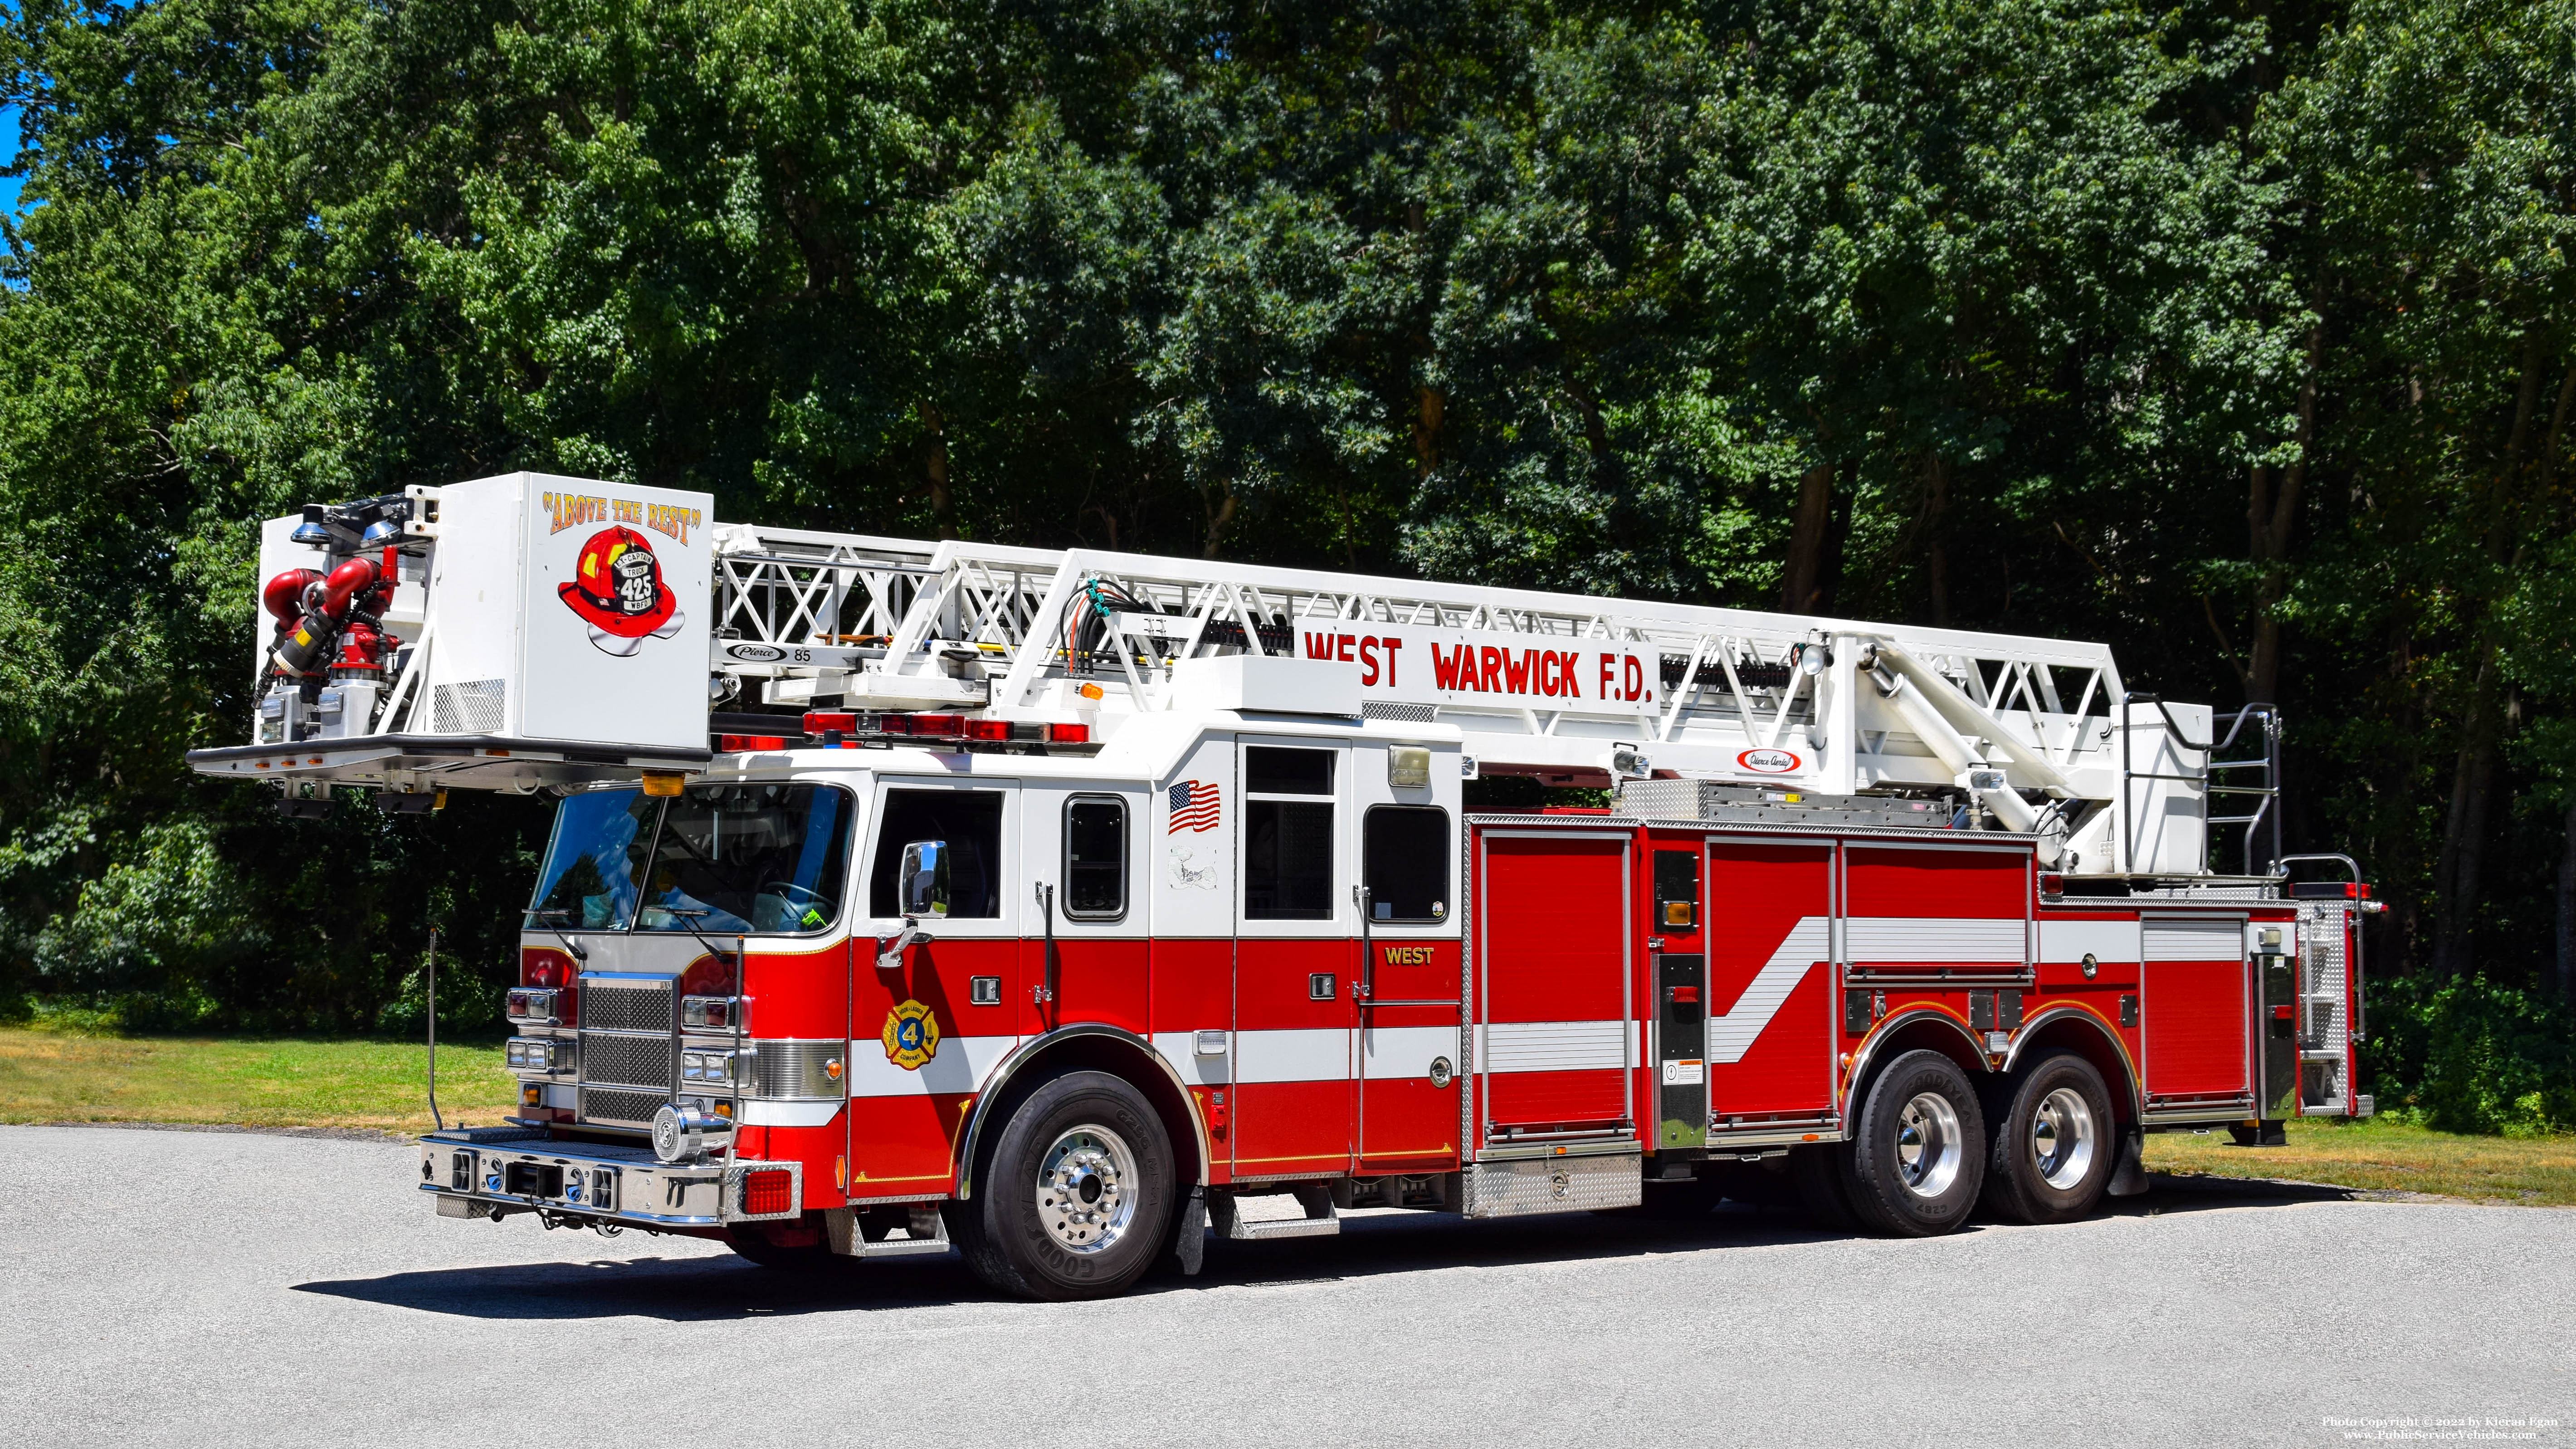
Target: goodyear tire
[[1918, 1160], [2055, 1143], [1075, 1200]]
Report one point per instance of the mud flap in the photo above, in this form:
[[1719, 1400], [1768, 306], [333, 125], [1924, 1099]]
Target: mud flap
[[1190, 1242], [2129, 1178]]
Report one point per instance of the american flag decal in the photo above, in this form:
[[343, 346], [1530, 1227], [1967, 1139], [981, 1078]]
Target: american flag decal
[[1194, 806]]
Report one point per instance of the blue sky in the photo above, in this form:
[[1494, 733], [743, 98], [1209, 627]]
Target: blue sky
[[8, 148]]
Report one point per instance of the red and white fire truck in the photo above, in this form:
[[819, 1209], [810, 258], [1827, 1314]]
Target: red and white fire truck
[[1054, 905]]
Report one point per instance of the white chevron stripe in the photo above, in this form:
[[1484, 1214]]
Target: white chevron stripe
[[1732, 1035]]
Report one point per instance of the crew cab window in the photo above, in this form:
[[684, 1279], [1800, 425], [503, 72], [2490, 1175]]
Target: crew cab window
[[769, 859], [1095, 857], [970, 822], [594, 861], [1404, 862], [1287, 840]]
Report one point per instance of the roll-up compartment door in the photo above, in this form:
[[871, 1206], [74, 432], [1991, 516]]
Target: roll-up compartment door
[[2195, 1008]]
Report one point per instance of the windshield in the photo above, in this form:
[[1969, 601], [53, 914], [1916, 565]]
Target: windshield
[[766, 858], [594, 862]]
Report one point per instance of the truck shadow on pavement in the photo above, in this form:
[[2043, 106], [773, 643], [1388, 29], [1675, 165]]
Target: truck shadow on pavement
[[718, 1287]]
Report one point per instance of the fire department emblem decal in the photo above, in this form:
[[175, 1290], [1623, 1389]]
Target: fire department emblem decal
[[911, 1036], [617, 590]]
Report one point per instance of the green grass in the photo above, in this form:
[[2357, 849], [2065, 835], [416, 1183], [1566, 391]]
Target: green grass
[[68, 1076], [2383, 1155], [55, 1076]]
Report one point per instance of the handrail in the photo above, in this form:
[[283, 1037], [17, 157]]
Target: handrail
[[2281, 867], [2270, 765], [2264, 706]]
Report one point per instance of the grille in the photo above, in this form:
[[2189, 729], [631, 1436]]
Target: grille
[[627, 1008], [471, 708], [606, 1105], [1408, 713], [635, 1061]]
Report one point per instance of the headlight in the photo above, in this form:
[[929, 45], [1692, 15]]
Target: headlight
[[706, 1066], [540, 1005], [534, 1054], [708, 1013]]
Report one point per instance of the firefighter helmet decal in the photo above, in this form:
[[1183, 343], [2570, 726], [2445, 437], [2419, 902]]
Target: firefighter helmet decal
[[617, 590], [911, 1035]]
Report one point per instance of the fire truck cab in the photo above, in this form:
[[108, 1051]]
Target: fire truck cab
[[1067, 909]]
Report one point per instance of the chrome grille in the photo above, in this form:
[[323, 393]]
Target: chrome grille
[[600, 1104], [620, 1006], [633, 1061]]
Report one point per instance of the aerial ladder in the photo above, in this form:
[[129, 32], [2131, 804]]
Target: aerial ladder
[[475, 653]]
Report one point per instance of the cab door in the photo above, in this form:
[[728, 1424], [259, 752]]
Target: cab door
[[1408, 1004], [926, 1029], [1296, 960], [1084, 957]]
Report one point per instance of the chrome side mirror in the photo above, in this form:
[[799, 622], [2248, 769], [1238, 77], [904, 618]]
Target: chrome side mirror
[[924, 887]]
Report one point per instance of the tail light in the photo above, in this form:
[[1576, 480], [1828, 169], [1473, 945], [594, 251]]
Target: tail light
[[819, 720], [988, 729], [737, 744], [768, 1191], [940, 724], [1072, 734]]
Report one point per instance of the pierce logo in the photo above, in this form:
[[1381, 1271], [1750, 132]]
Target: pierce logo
[[1768, 762], [756, 653], [617, 590]]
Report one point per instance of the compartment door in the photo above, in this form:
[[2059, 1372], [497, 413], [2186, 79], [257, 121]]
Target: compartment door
[[1556, 1040], [2196, 1009], [1770, 979]]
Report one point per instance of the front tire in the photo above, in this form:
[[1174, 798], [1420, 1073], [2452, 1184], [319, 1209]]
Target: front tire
[[1919, 1159], [2055, 1145], [1076, 1199]]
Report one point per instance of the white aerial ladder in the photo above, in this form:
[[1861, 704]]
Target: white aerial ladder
[[2041, 734]]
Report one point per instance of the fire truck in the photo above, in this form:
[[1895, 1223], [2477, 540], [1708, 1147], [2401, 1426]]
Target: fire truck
[[1069, 908]]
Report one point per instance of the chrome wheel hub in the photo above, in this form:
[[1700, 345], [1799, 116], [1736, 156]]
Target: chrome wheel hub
[[2062, 1138], [1085, 1189], [1929, 1149]]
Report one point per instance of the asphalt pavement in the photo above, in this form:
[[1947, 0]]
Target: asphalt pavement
[[236, 1288]]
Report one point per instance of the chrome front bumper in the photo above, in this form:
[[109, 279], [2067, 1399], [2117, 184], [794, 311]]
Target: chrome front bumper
[[482, 1172]]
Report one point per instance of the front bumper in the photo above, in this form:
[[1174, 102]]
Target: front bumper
[[482, 1172]]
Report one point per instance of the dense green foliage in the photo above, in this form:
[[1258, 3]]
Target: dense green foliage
[[2237, 335]]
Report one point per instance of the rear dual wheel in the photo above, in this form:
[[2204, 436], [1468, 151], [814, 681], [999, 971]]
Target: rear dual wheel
[[2055, 1143]]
